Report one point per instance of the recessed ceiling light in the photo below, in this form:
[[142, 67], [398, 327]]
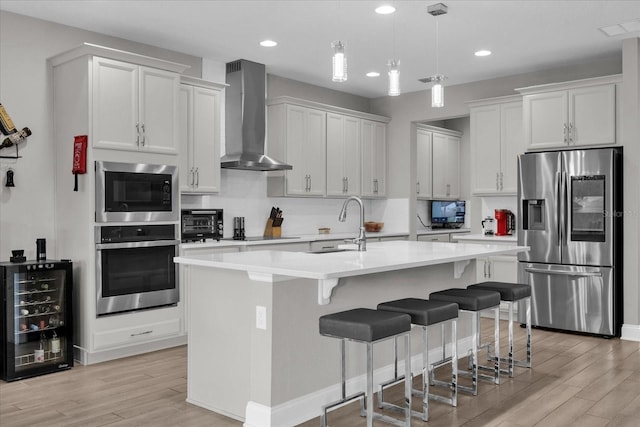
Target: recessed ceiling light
[[373, 74], [268, 43], [482, 52], [385, 9]]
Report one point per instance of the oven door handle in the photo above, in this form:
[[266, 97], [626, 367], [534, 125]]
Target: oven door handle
[[144, 244]]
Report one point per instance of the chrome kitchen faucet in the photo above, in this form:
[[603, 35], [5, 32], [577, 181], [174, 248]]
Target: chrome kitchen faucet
[[361, 240]]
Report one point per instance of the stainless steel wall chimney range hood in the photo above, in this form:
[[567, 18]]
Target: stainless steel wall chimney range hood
[[245, 119]]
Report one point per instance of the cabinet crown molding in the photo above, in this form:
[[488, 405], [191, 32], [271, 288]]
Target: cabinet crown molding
[[89, 49], [494, 101], [550, 87], [440, 130], [194, 81], [327, 108]]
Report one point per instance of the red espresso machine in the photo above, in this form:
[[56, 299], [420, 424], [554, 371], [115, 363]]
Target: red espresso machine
[[505, 222]]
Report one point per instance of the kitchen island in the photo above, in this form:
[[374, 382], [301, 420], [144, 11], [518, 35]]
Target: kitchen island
[[254, 351]]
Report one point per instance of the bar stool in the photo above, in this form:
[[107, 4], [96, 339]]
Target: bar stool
[[426, 313], [368, 326], [474, 301], [511, 293]]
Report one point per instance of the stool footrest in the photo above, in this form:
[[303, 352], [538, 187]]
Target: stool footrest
[[394, 421], [344, 401]]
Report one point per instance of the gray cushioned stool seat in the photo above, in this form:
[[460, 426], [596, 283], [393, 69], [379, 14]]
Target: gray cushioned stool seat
[[468, 299], [423, 312], [508, 291], [363, 324]]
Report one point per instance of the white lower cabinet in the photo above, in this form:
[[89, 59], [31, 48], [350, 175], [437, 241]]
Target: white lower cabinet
[[287, 247], [497, 269], [136, 334], [442, 237]]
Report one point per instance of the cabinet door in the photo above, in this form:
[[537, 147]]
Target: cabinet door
[[511, 145], [185, 130], [351, 156], [424, 164], [115, 104], [374, 159], [446, 166], [306, 151], [297, 179], [158, 111], [206, 140], [485, 149], [545, 119], [592, 115]]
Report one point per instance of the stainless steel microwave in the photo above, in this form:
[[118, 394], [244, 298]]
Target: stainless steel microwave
[[136, 192]]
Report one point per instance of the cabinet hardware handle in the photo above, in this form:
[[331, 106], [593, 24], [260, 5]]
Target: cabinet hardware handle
[[485, 268], [489, 264], [565, 133], [141, 333], [309, 182], [138, 134], [497, 180], [375, 186], [501, 181], [418, 187], [144, 136], [570, 132], [448, 190], [193, 177], [346, 182], [197, 177]]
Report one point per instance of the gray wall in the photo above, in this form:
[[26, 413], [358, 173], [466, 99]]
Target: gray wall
[[26, 211]]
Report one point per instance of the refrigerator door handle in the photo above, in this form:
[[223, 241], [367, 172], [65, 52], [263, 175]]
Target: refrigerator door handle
[[564, 273], [560, 209]]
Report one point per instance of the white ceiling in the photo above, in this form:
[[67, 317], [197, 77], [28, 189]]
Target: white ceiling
[[523, 35]]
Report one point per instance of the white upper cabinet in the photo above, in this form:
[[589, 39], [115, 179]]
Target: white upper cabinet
[[200, 135], [423, 164], [334, 152], [343, 155], [581, 113], [297, 135], [446, 165], [135, 108], [496, 140], [374, 159]]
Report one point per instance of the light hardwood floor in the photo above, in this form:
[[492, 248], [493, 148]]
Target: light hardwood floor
[[575, 380]]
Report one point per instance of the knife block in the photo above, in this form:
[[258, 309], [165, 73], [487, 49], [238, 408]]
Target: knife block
[[272, 231]]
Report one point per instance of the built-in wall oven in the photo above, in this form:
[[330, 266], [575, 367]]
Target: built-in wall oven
[[135, 268], [127, 192]]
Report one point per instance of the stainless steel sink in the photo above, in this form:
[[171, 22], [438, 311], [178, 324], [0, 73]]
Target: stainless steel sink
[[330, 251]]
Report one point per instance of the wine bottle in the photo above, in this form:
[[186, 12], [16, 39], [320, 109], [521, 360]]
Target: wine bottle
[[6, 124], [15, 138], [55, 344]]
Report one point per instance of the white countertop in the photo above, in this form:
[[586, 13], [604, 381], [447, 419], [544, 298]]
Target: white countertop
[[489, 239], [379, 257], [211, 243]]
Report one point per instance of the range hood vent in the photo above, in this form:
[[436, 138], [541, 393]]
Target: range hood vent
[[245, 113]]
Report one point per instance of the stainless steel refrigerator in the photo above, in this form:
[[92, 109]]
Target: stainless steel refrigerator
[[570, 215]]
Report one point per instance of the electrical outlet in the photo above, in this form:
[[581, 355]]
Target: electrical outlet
[[261, 317]]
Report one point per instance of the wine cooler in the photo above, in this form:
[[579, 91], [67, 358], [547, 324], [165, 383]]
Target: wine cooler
[[36, 318]]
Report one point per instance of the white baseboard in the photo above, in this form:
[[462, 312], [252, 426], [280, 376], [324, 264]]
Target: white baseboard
[[630, 332], [84, 357], [304, 408]]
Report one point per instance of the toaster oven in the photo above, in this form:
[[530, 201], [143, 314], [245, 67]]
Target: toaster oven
[[201, 224]]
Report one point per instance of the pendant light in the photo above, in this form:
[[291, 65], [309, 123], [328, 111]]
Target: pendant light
[[437, 90], [339, 62], [394, 78], [394, 70]]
